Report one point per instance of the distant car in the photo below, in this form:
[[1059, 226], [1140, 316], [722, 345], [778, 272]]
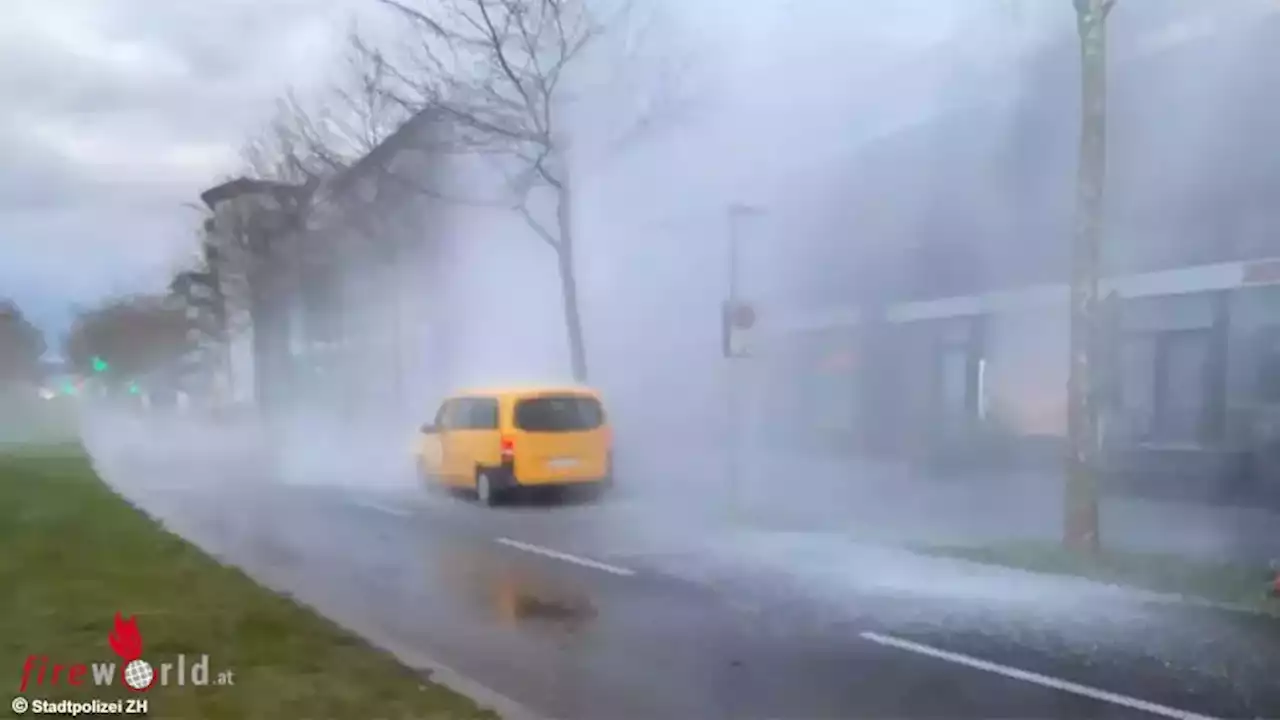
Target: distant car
[[495, 442]]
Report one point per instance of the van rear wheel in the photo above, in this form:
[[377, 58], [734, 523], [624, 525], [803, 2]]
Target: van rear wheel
[[486, 493]]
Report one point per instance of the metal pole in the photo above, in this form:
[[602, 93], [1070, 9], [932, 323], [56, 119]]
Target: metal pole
[[731, 374], [734, 214], [735, 374]]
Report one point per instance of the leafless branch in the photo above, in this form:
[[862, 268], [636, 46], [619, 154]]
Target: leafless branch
[[538, 227], [497, 74]]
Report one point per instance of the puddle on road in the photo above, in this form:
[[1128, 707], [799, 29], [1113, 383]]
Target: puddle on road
[[511, 594], [517, 603]]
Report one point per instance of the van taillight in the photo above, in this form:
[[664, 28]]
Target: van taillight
[[508, 448]]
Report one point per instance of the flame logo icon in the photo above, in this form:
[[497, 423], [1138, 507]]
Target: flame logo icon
[[126, 641]]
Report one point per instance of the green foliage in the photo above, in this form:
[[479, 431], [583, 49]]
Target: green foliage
[[127, 337], [75, 554], [21, 346]]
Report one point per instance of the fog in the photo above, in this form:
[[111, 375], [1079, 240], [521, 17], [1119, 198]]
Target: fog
[[905, 150]]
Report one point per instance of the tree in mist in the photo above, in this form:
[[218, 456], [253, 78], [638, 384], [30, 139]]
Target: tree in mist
[[21, 346], [324, 134], [252, 224], [305, 144], [497, 75], [135, 335], [1081, 527]]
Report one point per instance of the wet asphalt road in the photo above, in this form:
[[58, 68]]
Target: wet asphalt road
[[602, 610]]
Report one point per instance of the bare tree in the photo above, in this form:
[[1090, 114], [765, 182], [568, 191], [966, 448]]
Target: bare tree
[[283, 150], [1081, 527], [306, 142], [497, 75]]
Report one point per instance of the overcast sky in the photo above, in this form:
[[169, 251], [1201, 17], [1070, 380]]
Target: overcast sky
[[114, 113]]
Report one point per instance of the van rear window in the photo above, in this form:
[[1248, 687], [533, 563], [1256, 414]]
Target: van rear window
[[559, 413]]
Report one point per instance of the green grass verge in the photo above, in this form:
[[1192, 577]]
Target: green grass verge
[[72, 554], [1231, 584]]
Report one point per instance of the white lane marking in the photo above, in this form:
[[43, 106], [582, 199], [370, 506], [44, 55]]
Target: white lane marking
[[398, 512], [548, 552], [1036, 678]]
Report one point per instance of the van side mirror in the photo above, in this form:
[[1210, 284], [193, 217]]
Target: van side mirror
[[428, 429]]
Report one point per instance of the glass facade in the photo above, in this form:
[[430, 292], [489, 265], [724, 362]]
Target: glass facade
[[1191, 370], [1025, 375], [1253, 361]]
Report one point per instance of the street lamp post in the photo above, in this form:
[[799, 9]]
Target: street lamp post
[[735, 375]]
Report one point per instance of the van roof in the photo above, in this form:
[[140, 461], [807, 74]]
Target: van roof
[[508, 390]]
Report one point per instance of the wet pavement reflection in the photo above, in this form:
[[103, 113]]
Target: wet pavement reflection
[[571, 641]]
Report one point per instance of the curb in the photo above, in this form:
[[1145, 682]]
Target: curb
[[439, 673]]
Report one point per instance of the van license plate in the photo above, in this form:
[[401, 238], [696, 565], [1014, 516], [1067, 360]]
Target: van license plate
[[562, 463]]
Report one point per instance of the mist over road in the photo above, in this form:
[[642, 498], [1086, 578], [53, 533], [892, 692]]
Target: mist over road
[[638, 606]]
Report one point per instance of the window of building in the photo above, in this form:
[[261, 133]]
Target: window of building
[[1138, 385], [1182, 391], [955, 381], [1169, 312], [1269, 365], [1255, 345]]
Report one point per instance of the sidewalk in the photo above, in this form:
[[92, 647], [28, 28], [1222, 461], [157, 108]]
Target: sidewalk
[[981, 510], [891, 503]]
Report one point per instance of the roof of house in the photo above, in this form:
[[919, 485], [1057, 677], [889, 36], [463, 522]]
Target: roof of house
[[404, 137], [249, 186]]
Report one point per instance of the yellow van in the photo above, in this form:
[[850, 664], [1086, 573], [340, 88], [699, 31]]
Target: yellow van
[[494, 442]]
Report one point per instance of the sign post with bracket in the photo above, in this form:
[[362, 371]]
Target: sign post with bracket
[[738, 327]]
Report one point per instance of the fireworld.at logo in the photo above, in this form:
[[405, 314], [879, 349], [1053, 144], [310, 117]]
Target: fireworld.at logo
[[136, 674]]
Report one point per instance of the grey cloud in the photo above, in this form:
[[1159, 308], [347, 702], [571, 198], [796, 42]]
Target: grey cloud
[[113, 113]]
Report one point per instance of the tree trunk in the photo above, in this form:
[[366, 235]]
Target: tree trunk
[[1080, 531], [569, 284], [261, 346], [397, 323]]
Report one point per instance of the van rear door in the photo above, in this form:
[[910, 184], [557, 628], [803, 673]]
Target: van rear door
[[559, 437]]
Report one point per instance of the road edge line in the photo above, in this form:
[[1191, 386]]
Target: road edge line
[[1034, 678]]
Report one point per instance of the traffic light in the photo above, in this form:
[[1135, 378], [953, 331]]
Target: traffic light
[[134, 389], [100, 365]]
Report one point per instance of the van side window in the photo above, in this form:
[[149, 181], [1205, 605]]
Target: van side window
[[459, 415], [472, 414], [483, 414], [442, 415]]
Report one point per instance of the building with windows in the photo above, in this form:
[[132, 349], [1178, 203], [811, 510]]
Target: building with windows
[[937, 326]]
